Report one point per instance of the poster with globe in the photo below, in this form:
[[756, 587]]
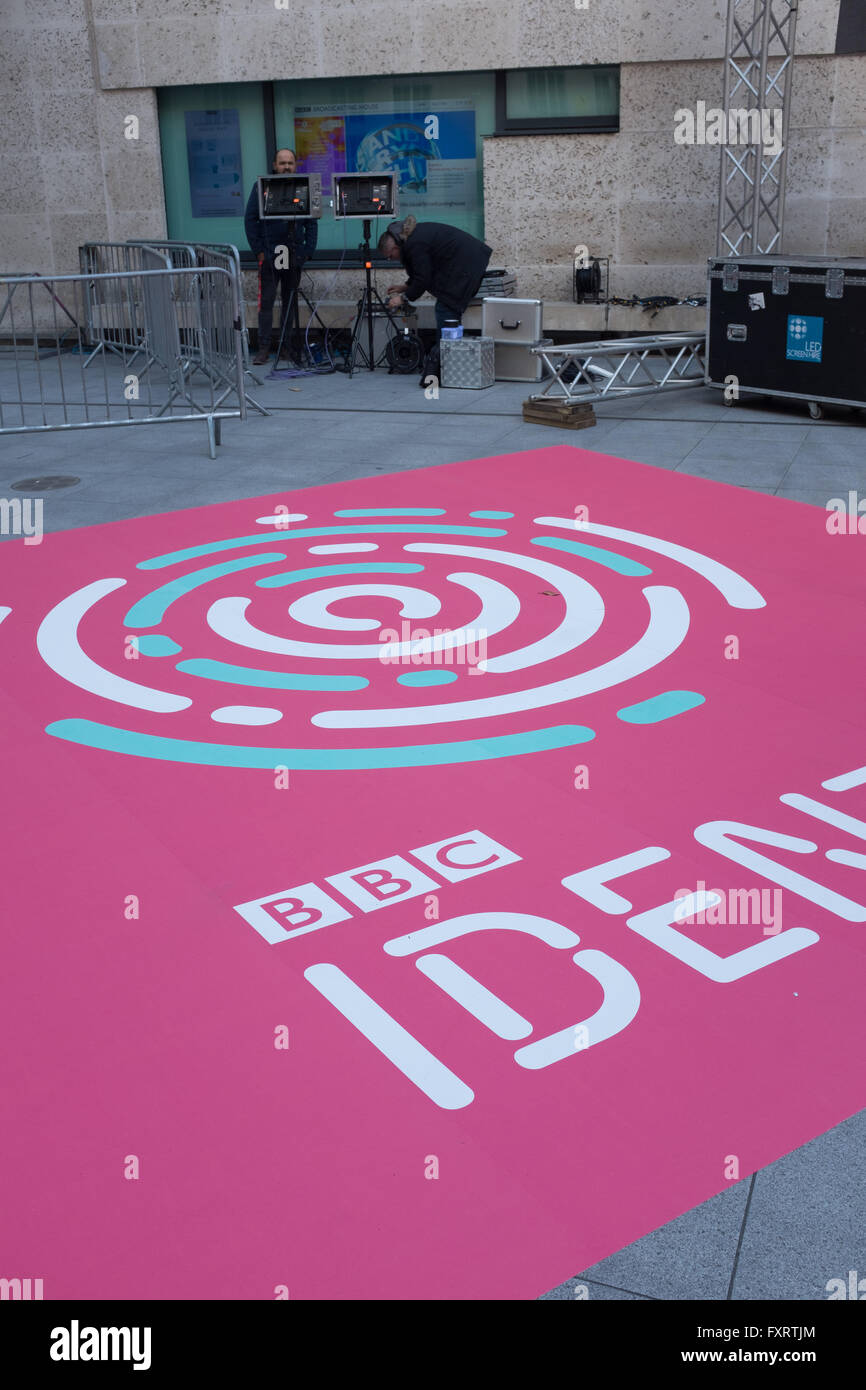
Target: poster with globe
[[433, 152], [433, 155]]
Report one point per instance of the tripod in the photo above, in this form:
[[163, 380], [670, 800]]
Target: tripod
[[370, 305], [290, 316]]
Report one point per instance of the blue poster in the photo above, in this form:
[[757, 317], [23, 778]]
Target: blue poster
[[414, 146], [213, 147], [805, 338]]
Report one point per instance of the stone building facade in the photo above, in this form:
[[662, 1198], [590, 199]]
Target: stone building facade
[[73, 71]]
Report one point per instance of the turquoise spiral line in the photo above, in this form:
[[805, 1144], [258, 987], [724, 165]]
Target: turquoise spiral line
[[152, 608], [90, 734], [266, 680], [194, 552], [392, 511], [279, 581], [622, 564]]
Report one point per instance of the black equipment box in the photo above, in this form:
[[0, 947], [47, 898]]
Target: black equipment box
[[365, 196], [288, 197], [788, 326]]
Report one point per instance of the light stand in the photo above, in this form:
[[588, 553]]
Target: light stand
[[289, 312], [291, 317], [369, 305]]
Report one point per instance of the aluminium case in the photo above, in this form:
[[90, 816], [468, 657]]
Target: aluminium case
[[467, 363], [512, 320], [517, 361], [807, 342]]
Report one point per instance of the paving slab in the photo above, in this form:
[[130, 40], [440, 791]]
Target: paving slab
[[814, 496], [590, 1290], [805, 1225], [811, 471], [691, 1257], [761, 472]]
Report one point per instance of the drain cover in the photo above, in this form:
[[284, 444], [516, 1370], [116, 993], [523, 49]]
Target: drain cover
[[45, 484]]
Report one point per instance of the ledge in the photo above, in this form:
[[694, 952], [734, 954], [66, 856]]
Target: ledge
[[560, 317]]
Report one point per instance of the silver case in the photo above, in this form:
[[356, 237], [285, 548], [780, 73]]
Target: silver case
[[512, 320], [467, 363], [516, 361]]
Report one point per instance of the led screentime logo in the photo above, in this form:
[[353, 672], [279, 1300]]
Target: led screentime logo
[[231, 656], [805, 338]]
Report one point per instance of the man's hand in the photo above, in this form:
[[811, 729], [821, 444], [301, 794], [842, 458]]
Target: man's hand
[[397, 289], [396, 302]]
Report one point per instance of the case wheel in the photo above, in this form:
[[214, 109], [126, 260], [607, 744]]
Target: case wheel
[[816, 411]]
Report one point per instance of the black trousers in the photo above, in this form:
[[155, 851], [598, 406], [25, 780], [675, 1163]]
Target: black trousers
[[270, 281]]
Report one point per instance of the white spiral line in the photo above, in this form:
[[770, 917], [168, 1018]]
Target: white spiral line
[[665, 631]]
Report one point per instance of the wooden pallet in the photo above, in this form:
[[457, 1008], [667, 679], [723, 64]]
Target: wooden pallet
[[564, 415]]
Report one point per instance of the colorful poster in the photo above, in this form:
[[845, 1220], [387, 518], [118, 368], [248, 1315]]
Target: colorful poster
[[413, 146], [424, 886], [213, 145], [432, 152], [320, 147]]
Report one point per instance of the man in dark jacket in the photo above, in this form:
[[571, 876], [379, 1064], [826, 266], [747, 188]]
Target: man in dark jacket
[[439, 258], [272, 242]]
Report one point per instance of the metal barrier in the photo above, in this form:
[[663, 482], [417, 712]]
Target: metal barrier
[[185, 323], [178, 255], [623, 366], [181, 254], [222, 255], [204, 253], [226, 255], [113, 314]]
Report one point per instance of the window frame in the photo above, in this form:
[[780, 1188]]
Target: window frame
[[549, 125], [503, 126]]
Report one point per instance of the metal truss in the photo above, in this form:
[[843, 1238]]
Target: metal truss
[[759, 53], [623, 367]]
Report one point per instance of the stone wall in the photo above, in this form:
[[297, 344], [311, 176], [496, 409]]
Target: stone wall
[[72, 71]]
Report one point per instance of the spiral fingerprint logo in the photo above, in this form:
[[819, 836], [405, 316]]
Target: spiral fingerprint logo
[[376, 638]]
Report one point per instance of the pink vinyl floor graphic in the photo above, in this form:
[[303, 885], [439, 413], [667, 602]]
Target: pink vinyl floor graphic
[[422, 887]]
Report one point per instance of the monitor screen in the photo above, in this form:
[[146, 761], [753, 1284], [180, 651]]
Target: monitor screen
[[285, 195], [364, 195]]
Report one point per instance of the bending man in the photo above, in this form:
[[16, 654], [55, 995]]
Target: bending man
[[439, 258]]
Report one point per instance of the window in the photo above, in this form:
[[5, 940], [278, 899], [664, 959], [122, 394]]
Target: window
[[536, 101], [427, 128], [214, 147]]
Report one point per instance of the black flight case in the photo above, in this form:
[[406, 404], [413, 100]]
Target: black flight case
[[788, 326]]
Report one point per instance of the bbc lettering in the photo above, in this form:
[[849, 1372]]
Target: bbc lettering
[[280, 917]]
